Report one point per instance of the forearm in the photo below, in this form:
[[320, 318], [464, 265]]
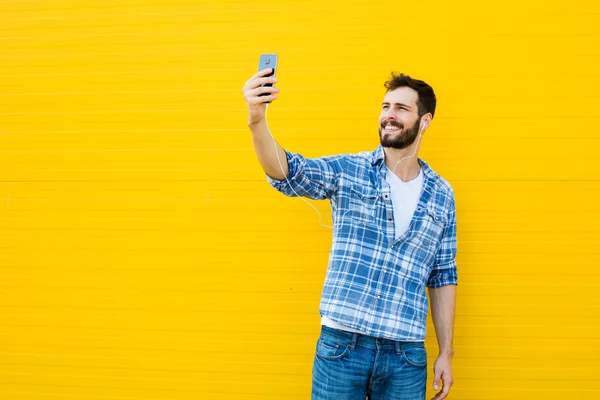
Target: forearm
[[443, 300], [265, 151]]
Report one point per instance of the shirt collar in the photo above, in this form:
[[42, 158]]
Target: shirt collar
[[378, 156]]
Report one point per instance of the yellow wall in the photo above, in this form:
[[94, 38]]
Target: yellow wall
[[144, 256]]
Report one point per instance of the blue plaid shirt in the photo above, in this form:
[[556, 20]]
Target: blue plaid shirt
[[376, 283]]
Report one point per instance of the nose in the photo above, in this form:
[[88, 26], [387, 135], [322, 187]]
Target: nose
[[389, 113]]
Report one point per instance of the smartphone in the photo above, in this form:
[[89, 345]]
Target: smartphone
[[267, 61]]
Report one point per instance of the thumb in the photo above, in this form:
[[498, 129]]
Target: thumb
[[436, 379]]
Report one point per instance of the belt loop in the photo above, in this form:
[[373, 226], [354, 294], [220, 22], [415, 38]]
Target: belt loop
[[354, 339], [398, 347]]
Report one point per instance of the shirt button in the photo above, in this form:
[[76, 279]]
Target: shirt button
[[389, 219], [378, 297], [386, 196], [385, 271]]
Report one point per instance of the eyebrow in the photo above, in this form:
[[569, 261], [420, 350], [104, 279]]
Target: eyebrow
[[396, 104]]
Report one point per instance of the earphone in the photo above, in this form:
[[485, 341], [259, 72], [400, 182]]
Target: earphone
[[302, 198]]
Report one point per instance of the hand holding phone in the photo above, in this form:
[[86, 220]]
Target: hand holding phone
[[259, 89]]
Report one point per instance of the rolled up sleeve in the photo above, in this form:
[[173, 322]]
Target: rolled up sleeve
[[444, 270], [315, 178]]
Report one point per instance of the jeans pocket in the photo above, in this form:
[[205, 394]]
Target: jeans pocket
[[415, 355], [329, 349]]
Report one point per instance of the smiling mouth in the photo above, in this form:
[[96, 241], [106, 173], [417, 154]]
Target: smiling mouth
[[389, 128]]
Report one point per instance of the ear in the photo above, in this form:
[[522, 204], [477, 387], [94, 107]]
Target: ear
[[425, 121]]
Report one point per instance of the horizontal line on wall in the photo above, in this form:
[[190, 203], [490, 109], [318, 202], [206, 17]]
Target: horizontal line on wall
[[196, 31], [28, 346], [188, 370], [245, 70], [98, 92], [281, 343], [109, 111], [229, 26], [267, 383], [199, 42], [192, 149], [244, 330], [243, 11], [345, 109], [172, 349], [207, 313], [185, 150], [572, 12], [315, 290], [129, 388], [300, 269], [240, 231]]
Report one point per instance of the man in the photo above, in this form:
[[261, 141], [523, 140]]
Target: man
[[394, 235]]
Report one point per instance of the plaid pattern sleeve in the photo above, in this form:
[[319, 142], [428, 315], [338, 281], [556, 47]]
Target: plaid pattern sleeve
[[315, 178], [444, 267]]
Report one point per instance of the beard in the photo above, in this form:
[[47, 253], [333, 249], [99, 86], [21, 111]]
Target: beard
[[401, 139]]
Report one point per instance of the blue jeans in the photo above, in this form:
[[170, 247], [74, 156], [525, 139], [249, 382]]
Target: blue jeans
[[351, 366]]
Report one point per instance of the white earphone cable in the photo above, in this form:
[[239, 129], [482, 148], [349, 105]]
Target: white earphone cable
[[286, 178]]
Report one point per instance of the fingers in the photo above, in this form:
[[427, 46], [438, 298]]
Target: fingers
[[252, 95], [443, 394], [259, 79], [437, 379], [445, 389], [263, 89], [253, 84], [262, 99], [255, 93], [262, 72]]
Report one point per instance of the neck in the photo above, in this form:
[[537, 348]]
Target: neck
[[408, 169]]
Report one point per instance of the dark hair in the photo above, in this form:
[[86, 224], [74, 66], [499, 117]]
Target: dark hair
[[426, 100]]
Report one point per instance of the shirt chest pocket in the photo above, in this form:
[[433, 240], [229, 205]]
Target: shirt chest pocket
[[362, 202], [431, 230], [422, 247]]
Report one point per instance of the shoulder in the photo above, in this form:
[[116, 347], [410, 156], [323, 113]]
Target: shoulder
[[443, 191], [444, 186], [439, 183]]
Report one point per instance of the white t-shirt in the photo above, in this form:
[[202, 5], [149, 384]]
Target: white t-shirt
[[405, 197]]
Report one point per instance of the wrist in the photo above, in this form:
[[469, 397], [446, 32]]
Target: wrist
[[449, 353]]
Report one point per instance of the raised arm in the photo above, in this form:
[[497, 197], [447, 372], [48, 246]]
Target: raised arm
[[265, 146], [289, 173]]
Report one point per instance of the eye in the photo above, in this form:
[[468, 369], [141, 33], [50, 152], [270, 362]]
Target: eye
[[384, 107]]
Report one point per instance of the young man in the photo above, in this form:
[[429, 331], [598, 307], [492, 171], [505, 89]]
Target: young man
[[394, 235]]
